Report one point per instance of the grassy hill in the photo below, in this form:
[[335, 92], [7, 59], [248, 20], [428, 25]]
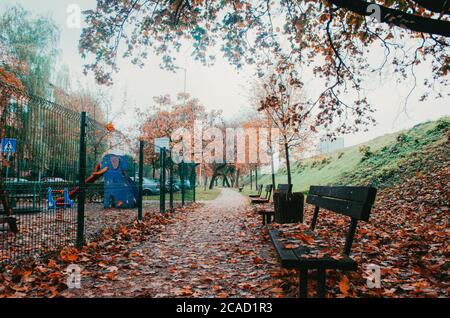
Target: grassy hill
[[381, 162]]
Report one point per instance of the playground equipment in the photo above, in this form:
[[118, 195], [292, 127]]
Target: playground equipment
[[53, 204], [67, 199], [120, 190]]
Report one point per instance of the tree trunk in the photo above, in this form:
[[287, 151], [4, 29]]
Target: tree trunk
[[273, 170], [153, 169], [212, 182], [238, 174], [226, 183], [288, 165]]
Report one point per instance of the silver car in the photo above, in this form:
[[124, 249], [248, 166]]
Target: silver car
[[149, 186]]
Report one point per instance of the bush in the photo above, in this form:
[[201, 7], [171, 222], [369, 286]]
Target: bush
[[325, 161], [403, 138], [366, 152], [321, 162]]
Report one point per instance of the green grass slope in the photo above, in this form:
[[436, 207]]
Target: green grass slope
[[381, 162]]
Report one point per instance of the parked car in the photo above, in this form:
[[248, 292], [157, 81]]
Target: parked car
[[175, 187], [18, 180], [53, 179], [187, 184], [149, 186]]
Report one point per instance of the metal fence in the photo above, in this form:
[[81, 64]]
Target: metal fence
[[40, 159], [179, 180], [60, 185]]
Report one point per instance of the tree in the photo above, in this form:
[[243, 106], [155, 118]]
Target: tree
[[28, 48], [83, 99], [331, 37], [282, 101], [169, 115]]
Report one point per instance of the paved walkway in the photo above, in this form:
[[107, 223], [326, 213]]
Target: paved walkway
[[217, 250]]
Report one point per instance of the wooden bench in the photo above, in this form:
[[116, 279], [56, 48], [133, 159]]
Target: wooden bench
[[313, 252], [266, 198], [269, 214], [259, 190]]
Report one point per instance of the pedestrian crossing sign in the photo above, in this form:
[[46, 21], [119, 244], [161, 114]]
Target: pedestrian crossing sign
[[9, 145]]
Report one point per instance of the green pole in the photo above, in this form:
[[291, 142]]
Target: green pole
[[171, 183], [141, 178], [194, 177], [162, 180], [81, 184], [182, 172]]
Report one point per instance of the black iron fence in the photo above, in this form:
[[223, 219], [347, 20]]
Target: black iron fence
[[60, 183]]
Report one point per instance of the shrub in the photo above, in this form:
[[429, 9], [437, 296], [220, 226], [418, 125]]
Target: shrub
[[325, 161], [366, 152]]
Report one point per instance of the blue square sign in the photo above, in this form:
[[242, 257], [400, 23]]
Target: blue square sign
[[9, 145]]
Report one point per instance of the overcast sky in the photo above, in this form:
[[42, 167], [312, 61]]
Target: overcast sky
[[221, 86]]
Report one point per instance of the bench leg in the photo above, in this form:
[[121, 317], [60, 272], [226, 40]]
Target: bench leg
[[321, 282], [303, 284]]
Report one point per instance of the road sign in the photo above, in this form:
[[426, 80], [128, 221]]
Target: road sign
[[9, 145], [163, 142]]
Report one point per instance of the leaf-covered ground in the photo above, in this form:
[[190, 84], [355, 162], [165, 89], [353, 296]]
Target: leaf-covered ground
[[210, 250], [220, 249], [407, 236]]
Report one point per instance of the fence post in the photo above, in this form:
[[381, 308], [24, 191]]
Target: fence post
[[182, 178], [171, 183], [195, 179], [141, 178], [162, 180], [81, 184]]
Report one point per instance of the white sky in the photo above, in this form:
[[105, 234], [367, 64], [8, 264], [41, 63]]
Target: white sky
[[221, 86]]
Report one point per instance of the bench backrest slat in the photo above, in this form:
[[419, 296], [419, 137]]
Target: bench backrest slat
[[284, 188], [353, 209], [355, 202], [357, 194]]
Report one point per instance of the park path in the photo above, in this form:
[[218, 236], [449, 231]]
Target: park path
[[217, 250]]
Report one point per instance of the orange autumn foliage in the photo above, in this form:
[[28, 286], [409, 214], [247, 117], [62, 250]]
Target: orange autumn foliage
[[10, 79]]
